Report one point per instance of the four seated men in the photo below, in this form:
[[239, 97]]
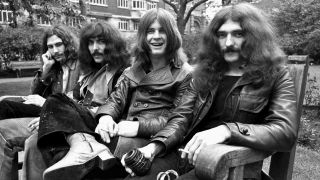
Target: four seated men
[[241, 93]]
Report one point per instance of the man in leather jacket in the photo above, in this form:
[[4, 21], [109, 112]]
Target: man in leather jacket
[[241, 94], [59, 74]]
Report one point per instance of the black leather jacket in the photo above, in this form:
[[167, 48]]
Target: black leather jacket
[[260, 117], [147, 98]]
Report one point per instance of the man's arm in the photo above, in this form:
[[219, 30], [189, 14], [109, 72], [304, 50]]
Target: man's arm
[[279, 131]]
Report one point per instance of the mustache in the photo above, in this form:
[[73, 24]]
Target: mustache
[[230, 49], [57, 55], [97, 53]]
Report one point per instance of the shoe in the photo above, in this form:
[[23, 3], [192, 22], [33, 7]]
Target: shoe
[[76, 164]]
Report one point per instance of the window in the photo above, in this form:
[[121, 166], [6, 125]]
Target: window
[[43, 20], [124, 24], [99, 2], [135, 26], [138, 4], [72, 21], [122, 3], [151, 5], [6, 16]]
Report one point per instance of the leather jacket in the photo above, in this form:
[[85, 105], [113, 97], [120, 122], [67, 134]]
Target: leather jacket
[[147, 98], [52, 82], [262, 117]]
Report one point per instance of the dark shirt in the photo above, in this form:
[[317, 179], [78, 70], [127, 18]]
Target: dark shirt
[[216, 113]]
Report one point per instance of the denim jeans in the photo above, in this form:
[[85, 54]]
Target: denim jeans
[[33, 163], [13, 133]]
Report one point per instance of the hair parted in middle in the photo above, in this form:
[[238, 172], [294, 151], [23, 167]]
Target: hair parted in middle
[[260, 50], [173, 51], [116, 54], [69, 40]]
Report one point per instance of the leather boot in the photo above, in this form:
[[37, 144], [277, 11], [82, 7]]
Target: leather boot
[[85, 154]]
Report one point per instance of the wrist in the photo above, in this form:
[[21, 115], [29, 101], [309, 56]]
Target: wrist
[[156, 148]]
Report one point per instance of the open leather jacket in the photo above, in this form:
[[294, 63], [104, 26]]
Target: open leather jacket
[[147, 98], [259, 117]]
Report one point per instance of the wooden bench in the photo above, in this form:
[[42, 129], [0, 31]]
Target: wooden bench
[[17, 66]]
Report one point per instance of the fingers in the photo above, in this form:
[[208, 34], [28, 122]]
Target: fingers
[[103, 134], [128, 170], [196, 153], [34, 124], [192, 151], [113, 129], [187, 147]]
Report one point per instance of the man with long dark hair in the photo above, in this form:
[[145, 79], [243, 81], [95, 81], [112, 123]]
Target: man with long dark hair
[[59, 74], [102, 56], [241, 93]]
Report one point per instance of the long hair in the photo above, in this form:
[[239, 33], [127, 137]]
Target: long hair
[[69, 40], [260, 49], [173, 51], [115, 53]]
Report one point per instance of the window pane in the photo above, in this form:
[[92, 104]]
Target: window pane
[[4, 14]]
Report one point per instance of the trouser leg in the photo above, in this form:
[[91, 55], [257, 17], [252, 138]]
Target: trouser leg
[[13, 133], [12, 109], [33, 164]]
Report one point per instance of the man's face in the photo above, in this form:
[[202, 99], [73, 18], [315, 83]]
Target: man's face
[[231, 38], [56, 48], [97, 47], [156, 39]]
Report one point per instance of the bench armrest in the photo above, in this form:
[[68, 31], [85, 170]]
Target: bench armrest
[[214, 161]]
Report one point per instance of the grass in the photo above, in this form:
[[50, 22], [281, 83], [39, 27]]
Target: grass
[[307, 161], [13, 88]]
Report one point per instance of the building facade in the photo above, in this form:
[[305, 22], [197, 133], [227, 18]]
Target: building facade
[[123, 14]]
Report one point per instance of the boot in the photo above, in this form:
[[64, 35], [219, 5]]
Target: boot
[[85, 154]]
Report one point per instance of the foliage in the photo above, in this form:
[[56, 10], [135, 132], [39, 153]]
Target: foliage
[[309, 133], [298, 22], [183, 10], [21, 42], [50, 9], [312, 93], [191, 45]]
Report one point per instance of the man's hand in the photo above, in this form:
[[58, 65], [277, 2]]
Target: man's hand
[[47, 62], [107, 128], [34, 99], [128, 128], [149, 151], [34, 124], [204, 138]]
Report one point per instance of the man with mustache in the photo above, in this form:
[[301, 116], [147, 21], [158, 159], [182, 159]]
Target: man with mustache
[[241, 94], [59, 74]]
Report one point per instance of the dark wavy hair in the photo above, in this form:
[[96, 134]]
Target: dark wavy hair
[[68, 38], [260, 50], [116, 54], [173, 50]]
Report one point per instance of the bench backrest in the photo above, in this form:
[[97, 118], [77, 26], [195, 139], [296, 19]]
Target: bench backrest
[[281, 166]]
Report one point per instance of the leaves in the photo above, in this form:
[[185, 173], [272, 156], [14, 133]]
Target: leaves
[[298, 22]]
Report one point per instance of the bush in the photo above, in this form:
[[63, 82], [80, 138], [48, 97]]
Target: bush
[[20, 43], [309, 133]]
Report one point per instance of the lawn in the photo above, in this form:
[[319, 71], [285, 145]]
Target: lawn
[[307, 162]]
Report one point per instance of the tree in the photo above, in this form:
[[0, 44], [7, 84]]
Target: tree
[[298, 22], [184, 8]]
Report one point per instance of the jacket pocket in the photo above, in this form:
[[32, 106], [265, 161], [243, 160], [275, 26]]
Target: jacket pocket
[[252, 104]]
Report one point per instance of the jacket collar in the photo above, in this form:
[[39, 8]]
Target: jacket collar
[[157, 77], [71, 64]]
